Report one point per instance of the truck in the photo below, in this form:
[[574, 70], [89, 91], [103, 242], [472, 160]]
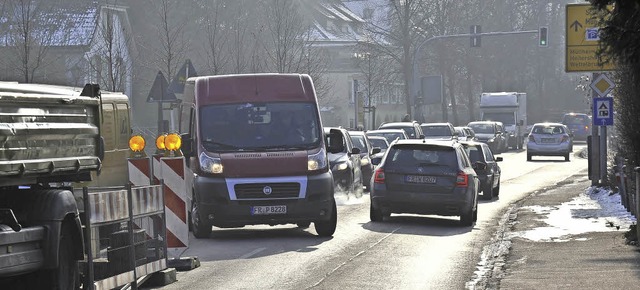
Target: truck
[[257, 153], [510, 108], [53, 140]]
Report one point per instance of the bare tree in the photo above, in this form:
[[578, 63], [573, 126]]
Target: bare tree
[[285, 29], [170, 32], [217, 34], [31, 32]]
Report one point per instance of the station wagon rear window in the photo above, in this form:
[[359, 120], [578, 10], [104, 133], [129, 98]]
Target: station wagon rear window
[[422, 155]]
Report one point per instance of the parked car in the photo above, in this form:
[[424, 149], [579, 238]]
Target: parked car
[[378, 142], [412, 128], [549, 139], [490, 176], [425, 177], [466, 134], [442, 131], [492, 133], [389, 134], [579, 124], [345, 165], [360, 140]]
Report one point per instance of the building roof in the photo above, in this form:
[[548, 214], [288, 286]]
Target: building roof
[[67, 23], [335, 24]]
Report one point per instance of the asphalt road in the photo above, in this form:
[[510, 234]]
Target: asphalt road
[[405, 252]]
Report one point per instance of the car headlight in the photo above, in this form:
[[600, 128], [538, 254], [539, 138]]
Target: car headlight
[[491, 140], [210, 164], [317, 161], [364, 161], [340, 166]]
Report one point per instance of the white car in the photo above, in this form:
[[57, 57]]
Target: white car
[[549, 139]]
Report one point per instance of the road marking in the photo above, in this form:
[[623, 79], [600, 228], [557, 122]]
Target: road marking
[[353, 258], [250, 254]]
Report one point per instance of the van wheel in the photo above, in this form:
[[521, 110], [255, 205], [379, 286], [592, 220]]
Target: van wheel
[[327, 228], [200, 227]]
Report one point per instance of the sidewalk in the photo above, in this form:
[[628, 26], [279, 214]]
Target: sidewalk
[[570, 238]]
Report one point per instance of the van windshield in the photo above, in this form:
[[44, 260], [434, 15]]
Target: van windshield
[[259, 126]]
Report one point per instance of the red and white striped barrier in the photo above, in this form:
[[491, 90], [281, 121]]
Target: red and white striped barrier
[[175, 201], [139, 171]]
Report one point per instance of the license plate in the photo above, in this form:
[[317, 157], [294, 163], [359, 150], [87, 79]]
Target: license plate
[[420, 179], [269, 209], [548, 140]]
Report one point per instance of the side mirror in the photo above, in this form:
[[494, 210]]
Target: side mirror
[[479, 165], [355, 150], [498, 159], [187, 145], [375, 150], [336, 141], [376, 161]]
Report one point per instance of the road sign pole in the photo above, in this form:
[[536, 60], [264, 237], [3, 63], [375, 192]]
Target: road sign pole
[[603, 154], [595, 144]]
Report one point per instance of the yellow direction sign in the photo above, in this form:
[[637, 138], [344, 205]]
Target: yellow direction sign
[[582, 40]]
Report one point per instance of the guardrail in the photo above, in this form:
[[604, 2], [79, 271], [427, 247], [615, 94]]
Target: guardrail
[[125, 236]]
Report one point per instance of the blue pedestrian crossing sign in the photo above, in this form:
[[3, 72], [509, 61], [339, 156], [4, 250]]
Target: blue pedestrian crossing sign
[[603, 111]]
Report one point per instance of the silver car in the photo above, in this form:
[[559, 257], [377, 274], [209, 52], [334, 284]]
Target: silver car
[[549, 139]]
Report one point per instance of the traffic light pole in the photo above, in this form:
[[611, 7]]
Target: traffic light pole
[[415, 86]]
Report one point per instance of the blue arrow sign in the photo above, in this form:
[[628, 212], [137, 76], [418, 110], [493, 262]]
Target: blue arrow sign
[[603, 111]]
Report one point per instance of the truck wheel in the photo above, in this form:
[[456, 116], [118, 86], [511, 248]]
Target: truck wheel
[[200, 227], [327, 228], [65, 275]]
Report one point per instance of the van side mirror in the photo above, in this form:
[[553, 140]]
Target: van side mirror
[[336, 141], [498, 159], [375, 150], [355, 150], [187, 145]]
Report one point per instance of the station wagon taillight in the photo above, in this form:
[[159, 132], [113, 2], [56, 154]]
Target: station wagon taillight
[[462, 179], [379, 176]]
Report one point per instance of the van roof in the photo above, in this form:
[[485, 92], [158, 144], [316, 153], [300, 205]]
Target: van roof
[[240, 88]]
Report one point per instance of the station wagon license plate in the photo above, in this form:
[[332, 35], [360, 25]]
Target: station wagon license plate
[[548, 140], [269, 209], [420, 179]]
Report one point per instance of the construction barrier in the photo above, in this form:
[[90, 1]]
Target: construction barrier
[[173, 173], [118, 252], [139, 171]]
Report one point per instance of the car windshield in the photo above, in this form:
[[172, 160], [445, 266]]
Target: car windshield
[[482, 128], [259, 126], [436, 131], [389, 136], [576, 120], [475, 153], [504, 118], [411, 132], [548, 130], [382, 144], [360, 143], [419, 155]]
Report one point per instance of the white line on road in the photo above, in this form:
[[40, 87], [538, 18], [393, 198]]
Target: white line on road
[[353, 258], [250, 254]]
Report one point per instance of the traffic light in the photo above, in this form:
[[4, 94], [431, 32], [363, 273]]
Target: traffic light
[[543, 36]]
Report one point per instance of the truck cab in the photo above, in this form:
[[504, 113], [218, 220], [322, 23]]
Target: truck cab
[[257, 153]]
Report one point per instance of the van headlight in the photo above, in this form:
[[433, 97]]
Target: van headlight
[[210, 164], [317, 161]]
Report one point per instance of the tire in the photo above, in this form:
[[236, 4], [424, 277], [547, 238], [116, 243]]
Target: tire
[[304, 225], [496, 191], [529, 157], [475, 214], [199, 226], [466, 219], [487, 191], [327, 228], [65, 276], [375, 215], [566, 157]]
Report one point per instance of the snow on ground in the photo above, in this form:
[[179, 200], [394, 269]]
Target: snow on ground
[[594, 210]]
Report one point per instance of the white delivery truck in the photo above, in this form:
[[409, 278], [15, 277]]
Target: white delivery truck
[[510, 108]]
